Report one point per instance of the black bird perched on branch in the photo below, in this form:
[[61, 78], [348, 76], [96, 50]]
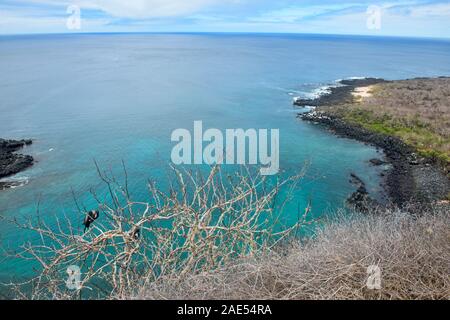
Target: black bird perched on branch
[[91, 216], [136, 233]]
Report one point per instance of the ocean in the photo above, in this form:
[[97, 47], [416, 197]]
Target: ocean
[[117, 97]]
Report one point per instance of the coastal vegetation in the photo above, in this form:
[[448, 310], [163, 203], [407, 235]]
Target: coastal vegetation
[[417, 111], [220, 237], [411, 250], [201, 223], [407, 119]]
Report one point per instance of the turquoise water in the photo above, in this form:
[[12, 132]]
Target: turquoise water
[[119, 97]]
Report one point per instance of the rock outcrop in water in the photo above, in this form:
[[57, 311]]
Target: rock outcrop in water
[[360, 199], [11, 162]]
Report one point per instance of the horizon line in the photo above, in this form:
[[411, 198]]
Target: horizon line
[[223, 33]]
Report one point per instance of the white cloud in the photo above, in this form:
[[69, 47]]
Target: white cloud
[[32, 22], [404, 17], [139, 9], [294, 14], [430, 10], [152, 8]]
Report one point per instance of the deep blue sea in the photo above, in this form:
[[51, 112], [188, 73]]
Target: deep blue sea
[[119, 96]]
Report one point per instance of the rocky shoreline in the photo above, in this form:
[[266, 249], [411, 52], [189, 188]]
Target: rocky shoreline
[[11, 162], [410, 179], [342, 93]]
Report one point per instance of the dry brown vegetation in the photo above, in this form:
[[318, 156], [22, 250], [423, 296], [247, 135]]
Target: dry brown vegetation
[[218, 237], [412, 252], [417, 111], [426, 100], [199, 224]]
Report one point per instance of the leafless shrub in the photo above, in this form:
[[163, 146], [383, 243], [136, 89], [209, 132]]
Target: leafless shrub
[[412, 251], [200, 224], [214, 237]]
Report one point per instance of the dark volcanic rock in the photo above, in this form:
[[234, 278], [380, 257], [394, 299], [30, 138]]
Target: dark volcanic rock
[[13, 145], [340, 94], [360, 199], [408, 180], [377, 162], [10, 162], [9, 184]]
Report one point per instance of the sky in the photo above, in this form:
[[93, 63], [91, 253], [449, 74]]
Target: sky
[[411, 18]]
